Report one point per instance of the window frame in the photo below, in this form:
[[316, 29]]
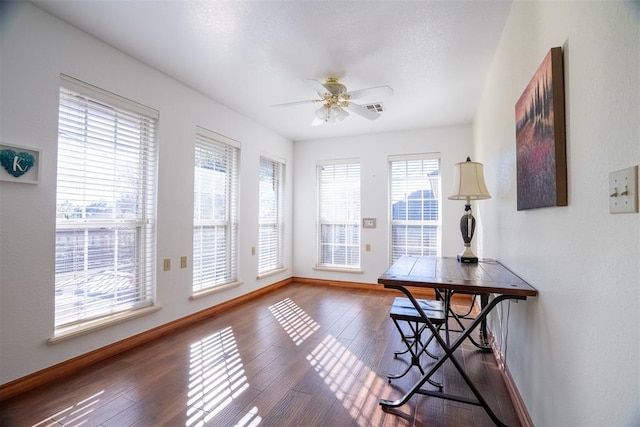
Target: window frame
[[271, 253], [435, 181], [98, 160], [349, 220], [226, 153]]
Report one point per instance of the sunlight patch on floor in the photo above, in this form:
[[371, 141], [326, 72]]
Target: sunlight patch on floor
[[252, 419], [75, 415], [294, 320], [351, 381], [216, 376]]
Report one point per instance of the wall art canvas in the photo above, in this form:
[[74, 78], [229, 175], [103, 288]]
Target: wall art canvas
[[19, 164], [540, 137]]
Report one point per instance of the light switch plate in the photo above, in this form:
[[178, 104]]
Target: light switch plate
[[368, 223], [623, 190]]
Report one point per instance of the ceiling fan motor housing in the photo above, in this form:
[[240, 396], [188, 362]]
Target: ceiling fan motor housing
[[335, 87]]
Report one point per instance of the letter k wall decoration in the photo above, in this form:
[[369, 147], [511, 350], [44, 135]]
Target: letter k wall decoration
[[19, 164]]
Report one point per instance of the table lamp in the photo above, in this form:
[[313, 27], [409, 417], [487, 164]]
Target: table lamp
[[468, 185]]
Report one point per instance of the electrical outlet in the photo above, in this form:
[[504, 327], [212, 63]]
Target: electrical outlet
[[367, 247], [167, 264], [183, 262], [623, 190]]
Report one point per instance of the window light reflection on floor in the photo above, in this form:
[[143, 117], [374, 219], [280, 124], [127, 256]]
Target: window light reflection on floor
[[75, 415], [294, 320], [216, 376], [252, 419], [351, 381]]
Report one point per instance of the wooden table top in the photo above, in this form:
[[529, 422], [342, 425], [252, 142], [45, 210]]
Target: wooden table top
[[448, 273]]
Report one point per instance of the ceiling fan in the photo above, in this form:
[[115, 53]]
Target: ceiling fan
[[336, 101]]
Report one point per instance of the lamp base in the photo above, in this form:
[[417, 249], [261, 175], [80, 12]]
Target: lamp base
[[467, 256], [467, 260]]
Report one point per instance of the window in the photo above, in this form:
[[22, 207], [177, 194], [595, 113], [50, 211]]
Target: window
[[215, 211], [415, 205], [271, 216], [105, 209], [339, 214]]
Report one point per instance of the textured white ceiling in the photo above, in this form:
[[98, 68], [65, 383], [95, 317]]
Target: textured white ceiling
[[249, 55]]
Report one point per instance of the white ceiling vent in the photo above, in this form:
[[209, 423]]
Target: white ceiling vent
[[377, 107]]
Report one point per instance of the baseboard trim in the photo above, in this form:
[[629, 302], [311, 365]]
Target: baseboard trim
[[63, 369], [68, 367], [514, 394], [416, 291]]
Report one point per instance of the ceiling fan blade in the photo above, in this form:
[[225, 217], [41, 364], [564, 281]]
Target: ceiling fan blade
[[362, 111], [318, 87], [377, 92], [289, 104]]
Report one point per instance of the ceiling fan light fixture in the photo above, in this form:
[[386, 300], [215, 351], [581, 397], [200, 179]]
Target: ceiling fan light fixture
[[336, 112], [323, 112], [331, 113]]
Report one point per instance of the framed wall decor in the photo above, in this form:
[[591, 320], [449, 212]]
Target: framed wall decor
[[541, 159], [19, 164]]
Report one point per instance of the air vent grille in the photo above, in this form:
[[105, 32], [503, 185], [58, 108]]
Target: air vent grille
[[377, 107]]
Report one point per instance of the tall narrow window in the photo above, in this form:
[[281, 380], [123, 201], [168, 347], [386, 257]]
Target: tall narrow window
[[215, 211], [105, 209], [339, 214], [415, 205], [271, 216]]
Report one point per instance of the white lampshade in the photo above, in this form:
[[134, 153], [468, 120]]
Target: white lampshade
[[468, 182]]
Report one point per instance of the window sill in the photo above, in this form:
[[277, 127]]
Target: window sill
[[338, 269], [271, 272], [68, 332], [215, 290]]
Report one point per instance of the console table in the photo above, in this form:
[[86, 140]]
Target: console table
[[447, 276]]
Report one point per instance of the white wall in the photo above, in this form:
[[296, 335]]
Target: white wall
[[35, 49], [454, 145], [573, 351]]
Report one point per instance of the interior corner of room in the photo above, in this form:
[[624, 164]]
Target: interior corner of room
[[580, 252]]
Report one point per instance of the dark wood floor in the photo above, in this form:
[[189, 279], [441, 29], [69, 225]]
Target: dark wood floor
[[303, 355]]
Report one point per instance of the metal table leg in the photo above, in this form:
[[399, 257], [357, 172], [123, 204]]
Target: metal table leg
[[449, 355]]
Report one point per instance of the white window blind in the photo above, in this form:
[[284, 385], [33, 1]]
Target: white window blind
[[215, 211], [105, 209], [271, 215], [415, 205], [339, 214]]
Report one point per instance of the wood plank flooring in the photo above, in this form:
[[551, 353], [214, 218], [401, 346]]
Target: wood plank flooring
[[303, 355]]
